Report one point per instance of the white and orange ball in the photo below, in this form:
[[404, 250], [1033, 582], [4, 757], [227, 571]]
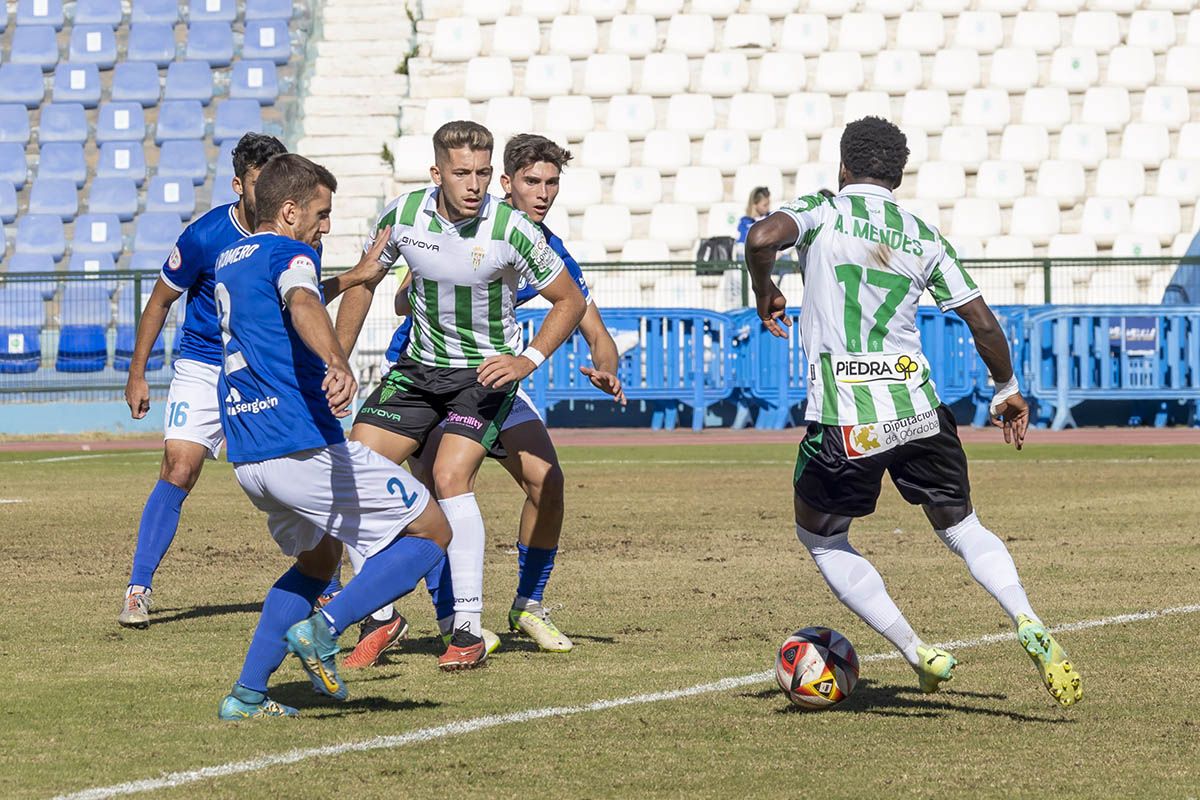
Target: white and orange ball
[[817, 668]]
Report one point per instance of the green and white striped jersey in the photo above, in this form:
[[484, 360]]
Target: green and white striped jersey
[[866, 263], [465, 276]]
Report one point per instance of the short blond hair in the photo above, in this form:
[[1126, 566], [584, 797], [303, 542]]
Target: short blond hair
[[461, 133]]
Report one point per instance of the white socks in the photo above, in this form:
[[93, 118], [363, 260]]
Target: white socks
[[857, 584], [466, 560], [356, 562], [990, 564]]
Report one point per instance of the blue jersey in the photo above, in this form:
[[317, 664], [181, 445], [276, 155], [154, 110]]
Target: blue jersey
[[525, 293], [191, 269], [272, 403]]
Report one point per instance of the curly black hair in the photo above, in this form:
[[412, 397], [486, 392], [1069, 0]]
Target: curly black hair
[[874, 148], [253, 151]]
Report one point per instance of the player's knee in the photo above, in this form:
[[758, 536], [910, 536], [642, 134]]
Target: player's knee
[[181, 472], [450, 481], [546, 486]]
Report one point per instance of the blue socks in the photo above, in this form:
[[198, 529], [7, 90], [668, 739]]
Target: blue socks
[[534, 565], [389, 574], [160, 521], [441, 589], [335, 583], [289, 601]]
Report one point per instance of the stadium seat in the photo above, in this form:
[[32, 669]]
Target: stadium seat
[[780, 74], [1048, 106], [189, 80], [751, 176], [40, 12], [1096, 30], [157, 11], [751, 112], [918, 148], [723, 74], [580, 190], [964, 145], [85, 314], [14, 124], [941, 182], [1179, 179], [1039, 31], [440, 110], [604, 10], [413, 155], [487, 10], [505, 116], [690, 34], [975, 217], [12, 163], [267, 40], [122, 160], [122, 122], [1013, 69], [1104, 217], [54, 196], [862, 32], [631, 114], [607, 74], [922, 31], [23, 263], [77, 83], [1182, 67], [724, 149], [808, 112], [114, 195], [782, 148], [721, 219], [1074, 68], [608, 224], [1106, 106], [1120, 177], [456, 39], [156, 231], [1071, 245], [889, 8], [269, 9], [63, 122], [1188, 145], [179, 119], [774, 9], [8, 201], [127, 334], [547, 76], [838, 72], [897, 71], [150, 260], [1087, 144], [675, 224], [517, 38], [93, 44], [545, 10], [35, 45], [23, 315], [211, 42], [1130, 68], [955, 70], [1006, 247], [698, 186], [691, 113], [926, 210], [487, 77], [988, 109], [746, 31], [829, 147], [606, 151], [171, 195], [664, 75], [981, 31], [1028, 145], [23, 84], [223, 193], [212, 11], [97, 233], [153, 42], [254, 80], [637, 188], [1131, 245], [666, 151], [635, 35], [926, 109], [41, 233], [1146, 142], [574, 36], [807, 34], [1156, 216], [1003, 181], [1166, 105], [570, 115], [62, 160], [866, 104]]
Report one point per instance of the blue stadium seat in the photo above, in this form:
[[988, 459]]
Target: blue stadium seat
[[24, 263], [8, 201], [97, 233], [151, 41], [149, 260], [23, 311], [93, 264], [40, 233], [156, 231], [268, 9], [98, 12], [3, 17], [212, 11], [36, 45], [235, 118], [189, 80], [63, 122], [14, 123], [225, 158], [136, 82], [184, 159], [57, 196], [40, 12], [120, 122], [267, 40], [179, 119], [86, 312], [22, 83], [127, 332], [155, 11], [211, 42], [62, 160], [173, 195], [117, 196], [223, 193], [12, 163], [122, 160], [254, 80], [93, 44], [77, 83]]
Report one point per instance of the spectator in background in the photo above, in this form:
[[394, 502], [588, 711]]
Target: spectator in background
[[757, 207]]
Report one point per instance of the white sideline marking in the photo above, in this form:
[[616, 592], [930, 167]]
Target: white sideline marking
[[80, 458], [1027, 459], [8, 501], [173, 779]]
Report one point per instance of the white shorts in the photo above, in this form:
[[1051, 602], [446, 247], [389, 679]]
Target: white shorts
[[346, 490], [193, 413]]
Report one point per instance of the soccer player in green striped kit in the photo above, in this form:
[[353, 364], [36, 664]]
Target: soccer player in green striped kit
[[872, 406]]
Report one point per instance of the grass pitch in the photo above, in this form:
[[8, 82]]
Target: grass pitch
[[678, 566]]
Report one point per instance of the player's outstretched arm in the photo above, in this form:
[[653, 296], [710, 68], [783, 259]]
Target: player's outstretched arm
[[566, 312], [154, 316], [605, 358], [1008, 408], [368, 272], [765, 239], [312, 323]]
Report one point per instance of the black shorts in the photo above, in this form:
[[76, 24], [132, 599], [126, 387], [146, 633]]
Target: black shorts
[[927, 471], [413, 399]]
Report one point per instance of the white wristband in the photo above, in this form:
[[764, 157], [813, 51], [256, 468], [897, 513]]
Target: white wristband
[[534, 355], [1003, 392]]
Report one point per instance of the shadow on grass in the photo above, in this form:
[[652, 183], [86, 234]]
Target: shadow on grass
[[301, 695], [168, 615]]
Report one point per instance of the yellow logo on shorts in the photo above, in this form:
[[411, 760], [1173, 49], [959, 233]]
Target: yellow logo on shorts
[[865, 438], [906, 366]]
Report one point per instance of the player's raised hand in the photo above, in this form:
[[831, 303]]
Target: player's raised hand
[[371, 265], [340, 388], [772, 310], [1012, 414], [605, 382], [500, 371], [137, 395]]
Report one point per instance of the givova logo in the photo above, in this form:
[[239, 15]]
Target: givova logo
[[234, 404]]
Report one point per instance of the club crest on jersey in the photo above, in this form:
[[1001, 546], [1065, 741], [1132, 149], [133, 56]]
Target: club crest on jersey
[[175, 260], [874, 438], [874, 368], [478, 252]]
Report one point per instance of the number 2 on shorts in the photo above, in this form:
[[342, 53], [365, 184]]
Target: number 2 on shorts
[[396, 485]]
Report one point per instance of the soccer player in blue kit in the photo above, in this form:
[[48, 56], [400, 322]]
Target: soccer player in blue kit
[[284, 382]]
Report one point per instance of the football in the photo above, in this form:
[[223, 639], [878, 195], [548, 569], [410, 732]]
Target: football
[[816, 668]]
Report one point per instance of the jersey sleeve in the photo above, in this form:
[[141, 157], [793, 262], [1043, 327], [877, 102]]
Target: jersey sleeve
[[184, 265], [391, 251], [573, 268], [808, 213], [947, 281], [534, 258], [295, 265]]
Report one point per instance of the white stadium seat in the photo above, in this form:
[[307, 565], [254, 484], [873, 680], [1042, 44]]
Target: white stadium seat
[[456, 39], [926, 109], [698, 186], [1192, 34], [941, 182], [1003, 181], [925, 210], [608, 224], [813, 176], [632, 114], [1146, 142], [782, 148], [781, 74], [607, 74], [897, 71], [1120, 177], [666, 151], [805, 33], [962, 144], [647, 251], [547, 76], [1014, 69], [519, 38], [1106, 106], [1058, 6], [1180, 245], [602, 9], [923, 31], [1104, 218], [1130, 67], [1096, 30], [862, 32], [1135, 245], [440, 110], [889, 8], [918, 148], [580, 189], [1048, 106], [572, 115], [746, 30], [1183, 67], [975, 216], [829, 147], [832, 8], [1005, 7], [722, 219], [1005, 247], [504, 116], [488, 77], [606, 151], [1035, 218], [773, 8], [718, 9], [1074, 68], [545, 10], [751, 112], [967, 247], [412, 156], [810, 112], [981, 31], [838, 72], [1119, 6], [955, 70], [557, 219], [1156, 216], [986, 108], [690, 34], [1087, 144], [574, 35], [664, 74], [1166, 105], [691, 113], [675, 224], [752, 175], [1028, 145], [659, 9], [725, 149], [632, 34], [949, 8], [1188, 145], [637, 188], [1039, 31], [486, 10], [723, 74], [1061, 181], [1071, 245], [1152, 29], [1179, 179], [866, 104]]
